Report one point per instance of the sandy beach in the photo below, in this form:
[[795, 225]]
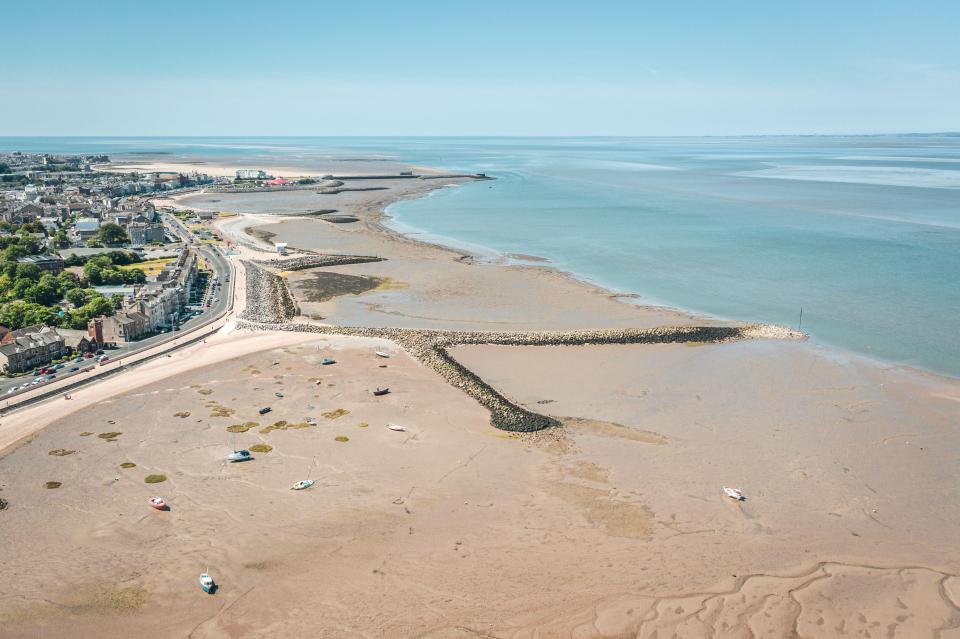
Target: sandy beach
[[612, 525]]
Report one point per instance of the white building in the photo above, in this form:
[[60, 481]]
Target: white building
[[252, 174]]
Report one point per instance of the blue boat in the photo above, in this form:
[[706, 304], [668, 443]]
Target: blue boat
[[206, 582]]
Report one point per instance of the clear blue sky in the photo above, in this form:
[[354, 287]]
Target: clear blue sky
[[207, 67]]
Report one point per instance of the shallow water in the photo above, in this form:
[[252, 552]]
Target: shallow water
[[863, 233]]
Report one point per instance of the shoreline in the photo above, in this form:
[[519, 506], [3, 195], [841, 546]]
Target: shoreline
[[379, 222]]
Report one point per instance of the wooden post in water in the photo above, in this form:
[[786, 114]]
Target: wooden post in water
[[801, 319]]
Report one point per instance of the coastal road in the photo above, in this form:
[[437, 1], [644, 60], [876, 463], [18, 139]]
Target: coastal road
[[144, 349]]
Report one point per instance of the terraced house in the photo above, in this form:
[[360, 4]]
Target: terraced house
[[29, 347]]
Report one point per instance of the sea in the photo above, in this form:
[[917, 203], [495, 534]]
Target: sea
[[854, 239]]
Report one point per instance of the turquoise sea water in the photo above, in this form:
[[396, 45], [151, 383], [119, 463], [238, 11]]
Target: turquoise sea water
[[863, 233]]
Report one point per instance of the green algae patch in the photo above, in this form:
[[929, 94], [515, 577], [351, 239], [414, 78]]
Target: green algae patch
[[221, 411], [260, 448], [61, 452], [205, 391], [285, 425], [182, 414], [155, 479], [50, 485], [341, 438], [86, 433], [110, 437], [334, 414], [241, 428], [363, 425], [128, 465]]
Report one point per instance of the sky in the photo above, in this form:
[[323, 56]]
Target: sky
[[687, 67]]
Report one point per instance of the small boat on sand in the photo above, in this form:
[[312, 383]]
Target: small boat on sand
[[397, 427], [303, 484], [733, 493], [383, 354], [207, 583], [158, 503], [327, 361], [239, 456], [381, 391]]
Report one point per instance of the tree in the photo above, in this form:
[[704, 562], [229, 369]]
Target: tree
[[112, 234], [93, 272], [60, 239], [97, 306], [134, 276], [77, 297], [30, 272], [19, 314]]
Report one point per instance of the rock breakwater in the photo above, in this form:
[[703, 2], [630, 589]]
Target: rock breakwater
[[431, 347], [304, 262]]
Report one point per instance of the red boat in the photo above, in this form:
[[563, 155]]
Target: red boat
[[158, 503]]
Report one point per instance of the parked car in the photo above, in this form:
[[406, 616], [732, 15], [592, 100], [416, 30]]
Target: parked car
[[87, 355], [73, 368], [100, 352], [58, 366], [103, 360]]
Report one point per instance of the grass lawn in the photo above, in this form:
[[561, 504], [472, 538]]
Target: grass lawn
[[150, 267]]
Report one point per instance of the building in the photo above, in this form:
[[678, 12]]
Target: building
[[119, 328], [252, 174], [26, 348], [278, 182], [142, 233], [86, 228], [49, 263], [79, 341]]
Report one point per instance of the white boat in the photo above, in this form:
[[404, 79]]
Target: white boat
[[383, 354], [733, 493], [158, 503], [397, 427], [239, 456], [206, 582], [303, 484]]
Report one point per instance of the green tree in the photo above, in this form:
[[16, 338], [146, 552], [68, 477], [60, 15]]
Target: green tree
[[76, 296], [97, 306], [111, 234], [30, 272]]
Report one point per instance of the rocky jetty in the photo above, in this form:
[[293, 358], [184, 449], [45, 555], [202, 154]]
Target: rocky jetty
[[432, 348], [268, 299], [315, 261]]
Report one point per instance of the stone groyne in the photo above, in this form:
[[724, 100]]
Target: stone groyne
[[268, 300], [432, 347], [316, 261]]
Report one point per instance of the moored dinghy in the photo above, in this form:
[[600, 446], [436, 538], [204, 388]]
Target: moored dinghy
[[383, 354], [397, 427], [239, 456], [381, 391], [207, 583], [327, 361], [303, 484], [158, 503], [734, 493]]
